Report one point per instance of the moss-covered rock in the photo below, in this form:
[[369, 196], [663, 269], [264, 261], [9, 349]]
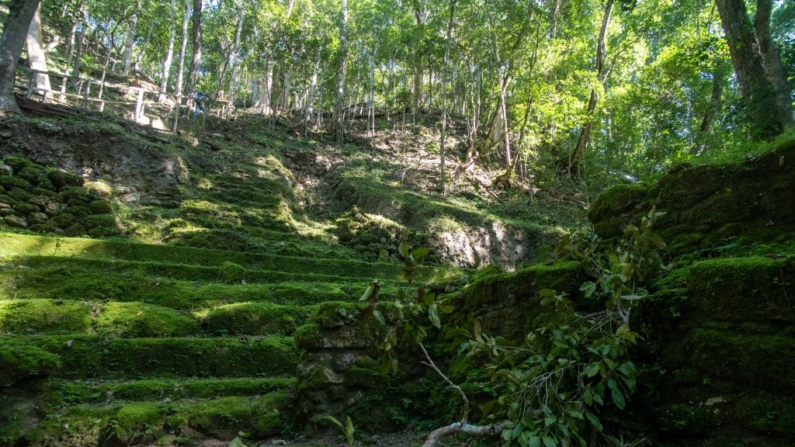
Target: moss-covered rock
[[61, 179], [90, 356], [261, 318], [705, 204], [20, 360], [41, 316], [137, 319]]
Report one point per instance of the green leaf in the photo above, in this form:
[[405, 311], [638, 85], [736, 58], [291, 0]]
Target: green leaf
[[433, 314], [549, 442], [379, 316], [593, 420], [349, 430], [592, 370], [332, 419], [589, 287], [618, 397], [404, 250], [237, 442], [420, 253]]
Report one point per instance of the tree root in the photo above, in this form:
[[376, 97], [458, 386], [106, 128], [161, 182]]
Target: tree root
[[461, 427]]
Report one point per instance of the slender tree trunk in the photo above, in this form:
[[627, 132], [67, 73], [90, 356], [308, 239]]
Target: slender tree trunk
[[555, 13], [310, 102], [234, 63], [128, 46], [20, 13], [573, 167], [37, 60], [443, 174], [776, 74], [197, 47], [181, 65], [718, 82], [758, 93], [81, 38], [340, 119], [141, 54], [169, 53]]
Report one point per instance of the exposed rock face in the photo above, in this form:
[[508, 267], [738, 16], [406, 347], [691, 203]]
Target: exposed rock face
[[107, 152], [707, 204], [50, 200], [465, 237], [338, 369]]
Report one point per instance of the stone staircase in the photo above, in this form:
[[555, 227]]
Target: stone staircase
[[159, 344]]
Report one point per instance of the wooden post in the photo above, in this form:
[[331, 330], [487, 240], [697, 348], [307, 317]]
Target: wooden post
[[139, 104], [85, 96], [30, 85], [102, 106]]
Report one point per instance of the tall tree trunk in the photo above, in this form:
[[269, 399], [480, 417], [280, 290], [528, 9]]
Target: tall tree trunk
[[776, 74], [169, 53], [235, 51], [758, 93], [339, 117], [20, 13], [310, 102], [573, 167], [140, 58], [81, 43], [128, 46], [37, 60], [718, 82], [197, 47], [181, 65], [555, 13], [443, 174]]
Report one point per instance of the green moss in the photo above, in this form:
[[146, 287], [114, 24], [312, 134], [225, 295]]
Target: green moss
[[14, 245], [508, 303], [744, 290], [333, 315], [73, 427], [758, 361], [138, 420], [88, 356], [158, 389], [137, 319], [617, 201], [768, 413], [255, 319], [20, 360], [9, 183], [100, 207], [43, 316], [233, 273]]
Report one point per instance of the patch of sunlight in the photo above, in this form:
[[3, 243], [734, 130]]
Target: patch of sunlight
[[100, 187], [201, 314], [204, 184]]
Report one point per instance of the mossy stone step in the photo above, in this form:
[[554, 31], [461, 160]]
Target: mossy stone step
[[744, 290], [229, 273], [210, 263], [748, 360], [88, 356], [84, 392], [163, 423], [137, 319], [86, 283]]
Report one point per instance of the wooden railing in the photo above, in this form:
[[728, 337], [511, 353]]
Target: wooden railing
[[83, 96]]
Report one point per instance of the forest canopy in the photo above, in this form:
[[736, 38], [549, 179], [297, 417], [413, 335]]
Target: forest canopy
[[624, 87]]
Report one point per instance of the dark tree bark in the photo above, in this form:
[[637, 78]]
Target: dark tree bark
[[776, 74], [573, 167], [758, 93], [20, 13], [197, 47]]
